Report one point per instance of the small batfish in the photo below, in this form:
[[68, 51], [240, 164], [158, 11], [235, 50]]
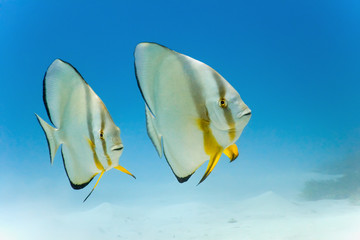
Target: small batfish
[[90, 140], [192, 113]]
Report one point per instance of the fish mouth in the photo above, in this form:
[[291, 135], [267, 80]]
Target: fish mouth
[[117, 148], [246, 113]]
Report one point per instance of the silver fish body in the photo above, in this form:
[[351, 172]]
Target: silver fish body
[[90, 140], [193, 113]]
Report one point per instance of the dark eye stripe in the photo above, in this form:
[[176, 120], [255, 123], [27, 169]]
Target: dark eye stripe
[[227, 111], [219, 84], [90, 128], [103, 142]]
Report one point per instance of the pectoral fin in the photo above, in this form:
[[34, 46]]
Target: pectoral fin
[[212, 163], [232, 152], [152, 132]]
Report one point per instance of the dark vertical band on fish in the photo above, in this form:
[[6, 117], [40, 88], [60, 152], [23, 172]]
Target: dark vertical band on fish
[[227, 111], [211, 147], [90, 128], [103, 142]]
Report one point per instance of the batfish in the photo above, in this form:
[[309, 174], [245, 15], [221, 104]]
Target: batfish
[[90, 140], [192, 113]]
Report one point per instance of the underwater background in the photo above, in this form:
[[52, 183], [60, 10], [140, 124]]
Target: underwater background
[[294, 63]]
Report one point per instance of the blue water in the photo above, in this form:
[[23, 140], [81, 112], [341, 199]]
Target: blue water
[[295, 64]]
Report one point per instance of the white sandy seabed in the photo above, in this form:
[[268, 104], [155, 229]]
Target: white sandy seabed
[[264, 217]]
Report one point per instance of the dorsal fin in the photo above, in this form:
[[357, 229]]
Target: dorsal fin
[[60, 80], [148, 56]]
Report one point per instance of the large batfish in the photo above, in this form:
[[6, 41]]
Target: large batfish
[[193, 114], [90, 139]]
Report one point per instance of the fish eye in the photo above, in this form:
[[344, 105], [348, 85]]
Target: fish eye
[[223, 103], [101, 134]]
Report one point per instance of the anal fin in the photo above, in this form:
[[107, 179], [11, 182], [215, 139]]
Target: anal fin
[[152, 132], [180, 179]]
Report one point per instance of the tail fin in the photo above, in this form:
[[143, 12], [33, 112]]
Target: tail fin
[[51, 137]]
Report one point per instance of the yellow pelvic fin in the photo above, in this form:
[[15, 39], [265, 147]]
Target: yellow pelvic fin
[[124, 170], [212, 163], [94, 186], [232, 152]]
